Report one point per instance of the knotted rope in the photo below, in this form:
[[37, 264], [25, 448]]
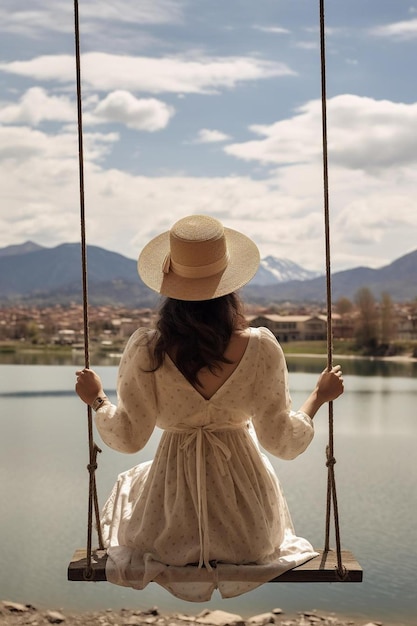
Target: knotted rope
[[330, 463], [93, 448]]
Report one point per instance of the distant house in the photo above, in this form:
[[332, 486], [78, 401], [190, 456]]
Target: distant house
[[406, 327], [66, 337], [124, 326], [343, 326], [293, 327]]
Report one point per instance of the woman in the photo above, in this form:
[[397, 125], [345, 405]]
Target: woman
[[216, 388]]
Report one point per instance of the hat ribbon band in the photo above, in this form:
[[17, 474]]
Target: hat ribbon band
[[198, 271]]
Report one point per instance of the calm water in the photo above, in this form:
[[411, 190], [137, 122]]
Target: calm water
[[43, 494]]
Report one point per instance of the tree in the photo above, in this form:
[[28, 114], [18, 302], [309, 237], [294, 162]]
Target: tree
[[344, 306], [366, 332], [387, 319]]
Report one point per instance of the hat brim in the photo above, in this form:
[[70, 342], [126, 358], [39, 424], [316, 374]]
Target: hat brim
[[242, 266]]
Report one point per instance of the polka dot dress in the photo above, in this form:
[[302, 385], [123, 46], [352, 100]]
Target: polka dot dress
[[208, 512]]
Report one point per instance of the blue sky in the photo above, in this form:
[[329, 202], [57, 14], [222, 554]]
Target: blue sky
[[207, 106]]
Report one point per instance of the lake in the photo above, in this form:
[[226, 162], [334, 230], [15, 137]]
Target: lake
[[44, 487]]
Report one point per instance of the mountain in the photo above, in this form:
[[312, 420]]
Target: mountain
[[273, 271], [22, 248], [398, 279], [33, 274], [53, 275]]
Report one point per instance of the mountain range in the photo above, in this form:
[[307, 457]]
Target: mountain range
[[33, 274]]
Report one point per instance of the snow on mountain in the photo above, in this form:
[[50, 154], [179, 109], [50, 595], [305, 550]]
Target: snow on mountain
[[273, 271]]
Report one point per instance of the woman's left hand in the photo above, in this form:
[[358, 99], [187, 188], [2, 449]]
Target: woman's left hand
[[330, 384], [88, 386]]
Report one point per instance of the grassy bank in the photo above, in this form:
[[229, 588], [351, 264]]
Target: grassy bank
[[26, 353], [350, 349]]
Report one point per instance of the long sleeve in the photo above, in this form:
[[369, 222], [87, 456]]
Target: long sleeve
[[280, 430], [128, 426]]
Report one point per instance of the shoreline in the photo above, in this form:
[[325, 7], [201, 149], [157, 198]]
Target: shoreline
[[404, 358], [13, 614], [54, 356]]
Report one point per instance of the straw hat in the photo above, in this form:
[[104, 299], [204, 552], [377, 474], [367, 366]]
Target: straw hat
[[198, 259]]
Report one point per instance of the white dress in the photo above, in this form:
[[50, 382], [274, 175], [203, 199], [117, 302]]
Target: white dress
[[208, 512]]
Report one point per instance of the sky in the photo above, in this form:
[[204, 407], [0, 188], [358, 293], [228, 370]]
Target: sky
[[212, 107]]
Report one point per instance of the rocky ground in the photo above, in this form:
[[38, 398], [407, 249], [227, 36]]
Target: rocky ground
[[15, 614]]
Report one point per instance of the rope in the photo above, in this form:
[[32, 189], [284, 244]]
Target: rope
[[331, 461], [93, 448]]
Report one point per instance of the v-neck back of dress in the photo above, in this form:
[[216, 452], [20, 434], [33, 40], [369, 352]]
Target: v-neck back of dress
[[200, 389]]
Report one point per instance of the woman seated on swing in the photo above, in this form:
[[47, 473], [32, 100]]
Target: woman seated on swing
[[216, 388]]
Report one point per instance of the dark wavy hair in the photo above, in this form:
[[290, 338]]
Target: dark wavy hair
[[196, 334]]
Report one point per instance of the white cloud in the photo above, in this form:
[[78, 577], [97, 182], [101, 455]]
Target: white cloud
[[373, 217], [372, 149], [283, 213], [143, 12], [40, 182], [372, 134], [205, 135], [406, 29], [288, 141], [363, 133], [36, 106], [307, 45], [107, 72], [35, 17], [122, 107], [32, 19], [57, 68], [20, 144], [274, 30], [40, 191], [368, 219]]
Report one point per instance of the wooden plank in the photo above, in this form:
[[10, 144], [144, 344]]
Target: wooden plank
[[78, 565], [322, 569]]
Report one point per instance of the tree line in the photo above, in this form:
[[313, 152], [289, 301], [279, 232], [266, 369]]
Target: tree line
[[375, 322]]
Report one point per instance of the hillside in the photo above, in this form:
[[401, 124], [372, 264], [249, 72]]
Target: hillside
[[32, 274], [51, 275], [398, 279]]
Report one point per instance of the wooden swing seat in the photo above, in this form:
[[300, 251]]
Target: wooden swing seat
[[321, 569]]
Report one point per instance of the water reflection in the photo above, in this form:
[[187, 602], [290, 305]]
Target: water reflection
[[51, 357], [355, 366], [300, 364]]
